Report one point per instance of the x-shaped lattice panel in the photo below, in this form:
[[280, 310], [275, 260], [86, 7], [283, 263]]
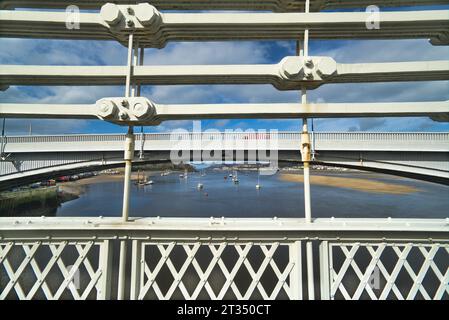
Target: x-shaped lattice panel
[[194, 275], [389, 271], [50, 270]]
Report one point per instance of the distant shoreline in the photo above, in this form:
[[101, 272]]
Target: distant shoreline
[[359, 184], [321, 178]]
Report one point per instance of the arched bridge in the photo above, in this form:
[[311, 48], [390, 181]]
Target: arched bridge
[[421, 155]]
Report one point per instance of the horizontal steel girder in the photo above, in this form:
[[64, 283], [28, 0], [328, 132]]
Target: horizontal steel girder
[[141, 111], [218, 229], [290, 74], [152, 28], [272, 5]]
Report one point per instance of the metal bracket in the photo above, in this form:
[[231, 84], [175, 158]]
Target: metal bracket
[[310, 69], [127, 111]]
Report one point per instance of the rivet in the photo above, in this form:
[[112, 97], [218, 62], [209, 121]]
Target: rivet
[[129, 22]]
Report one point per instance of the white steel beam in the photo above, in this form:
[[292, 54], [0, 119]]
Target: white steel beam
[[273, 5], [212, 228], [141, 111], [154, 29], [290, 74]]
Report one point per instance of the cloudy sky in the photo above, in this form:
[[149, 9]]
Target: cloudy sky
[[45, 52]]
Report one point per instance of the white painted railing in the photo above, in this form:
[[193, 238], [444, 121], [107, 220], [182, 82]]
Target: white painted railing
[[374, 141], [76, 258]]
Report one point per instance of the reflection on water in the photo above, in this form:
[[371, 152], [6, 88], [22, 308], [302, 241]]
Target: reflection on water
[[172, 196]]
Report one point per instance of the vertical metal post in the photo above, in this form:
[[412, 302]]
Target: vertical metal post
[[324, 270], [296, 273], [136, 270], [122, 271], [2, 147], [129, 64], [130, 138], [105, 265], [139, 90], [128, 157], [305, 157]]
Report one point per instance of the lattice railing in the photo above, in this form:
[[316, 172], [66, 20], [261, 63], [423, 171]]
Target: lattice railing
[[215, 270], [380, 271], [54, 270], [221, 259]]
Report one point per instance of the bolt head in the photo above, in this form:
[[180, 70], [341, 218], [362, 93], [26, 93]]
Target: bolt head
[[123, 115], [292, 67], [129, 23], [111, 13], [308, 62], [143, 109], [140, 110], [124, 103], [147, 14], [107, 109], [308, 73], [326, 67]]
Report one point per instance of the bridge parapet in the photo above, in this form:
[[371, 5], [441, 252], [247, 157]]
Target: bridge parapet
[[84, 252], [357, 141]]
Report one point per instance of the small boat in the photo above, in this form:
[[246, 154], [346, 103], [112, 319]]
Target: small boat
[[226, 177], [149, 182], [235, 179], [230, 175], [200, 186], [140, 181], [258, 186]]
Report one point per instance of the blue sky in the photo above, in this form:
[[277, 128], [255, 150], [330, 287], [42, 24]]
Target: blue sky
[[45, 52]]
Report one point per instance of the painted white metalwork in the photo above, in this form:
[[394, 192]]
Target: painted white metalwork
[[394, 286], [423, 153], [39, 269], [187, 258], [289, 74], [146, 112], [154, 29], [221, 258], [274, 5], [288, 140]]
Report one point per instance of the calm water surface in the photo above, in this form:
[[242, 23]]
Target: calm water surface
[[172, 196]]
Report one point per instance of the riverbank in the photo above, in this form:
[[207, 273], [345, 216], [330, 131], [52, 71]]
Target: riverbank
[[31, 202], [359, 184]]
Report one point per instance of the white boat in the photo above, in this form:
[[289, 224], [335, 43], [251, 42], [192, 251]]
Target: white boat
[[235, 178], [200, 186], [149, 182], [258, 186]]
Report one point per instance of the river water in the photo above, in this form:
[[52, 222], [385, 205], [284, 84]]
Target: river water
[[171, 196]]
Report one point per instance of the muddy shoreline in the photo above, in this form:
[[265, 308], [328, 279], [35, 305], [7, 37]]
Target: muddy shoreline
[[359, 184]]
